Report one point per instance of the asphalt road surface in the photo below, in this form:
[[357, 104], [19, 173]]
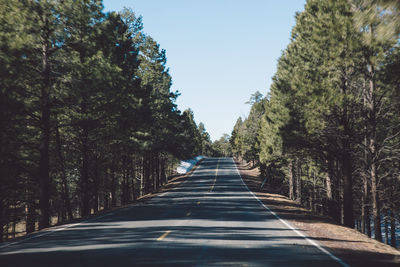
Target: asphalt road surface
[[211, 219]]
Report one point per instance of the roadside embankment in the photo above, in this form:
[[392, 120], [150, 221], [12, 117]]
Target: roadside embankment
[[186, 165]]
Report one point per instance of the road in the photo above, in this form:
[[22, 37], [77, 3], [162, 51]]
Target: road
[[211, 219]]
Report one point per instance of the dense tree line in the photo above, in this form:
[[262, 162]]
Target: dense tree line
[[329, 133], [243, 141], [88, 120], [221, 147]]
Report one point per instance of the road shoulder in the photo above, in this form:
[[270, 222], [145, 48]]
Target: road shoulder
[[351, 246]]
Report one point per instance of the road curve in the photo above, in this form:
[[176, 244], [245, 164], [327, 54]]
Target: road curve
[[209, 220]]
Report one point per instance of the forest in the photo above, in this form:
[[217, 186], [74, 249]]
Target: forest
[[88, 120], [328, 132]]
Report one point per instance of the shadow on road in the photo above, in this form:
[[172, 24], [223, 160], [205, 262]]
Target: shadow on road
[[353, 252], [209, 220]]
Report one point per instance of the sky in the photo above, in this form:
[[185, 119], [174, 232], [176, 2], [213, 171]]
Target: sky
[[219, 52]]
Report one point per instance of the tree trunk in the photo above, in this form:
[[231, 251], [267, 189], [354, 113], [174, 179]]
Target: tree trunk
[[131, 178], [298, 181], [157, 170], [346, 158], [373, 156], [141, 176], [44, 146], [84, 186], [14, 220], [134, 176], [147, 173], [153, 159], [375, 205], [163, 171], [365, 213], [386, 228], [314, 195], [291, 181], [328, 185], [113, 188], [392, 230], [348, 217], [30, 216], [96, 184], [106, 193], [368, 221], [125, 183], [365, 207], [66, 200], [2, 218]]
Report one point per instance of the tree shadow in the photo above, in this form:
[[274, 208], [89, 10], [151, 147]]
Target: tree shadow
[[203, 222]]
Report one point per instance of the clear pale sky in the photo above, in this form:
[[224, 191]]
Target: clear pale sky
[[219, 51]]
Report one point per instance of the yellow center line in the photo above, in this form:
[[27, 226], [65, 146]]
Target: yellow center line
[[163, 235], [215, 179]]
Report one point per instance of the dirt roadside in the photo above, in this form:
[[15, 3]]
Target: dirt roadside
[[353, 247]]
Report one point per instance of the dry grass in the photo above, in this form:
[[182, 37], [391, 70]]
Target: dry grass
[[351, 246]]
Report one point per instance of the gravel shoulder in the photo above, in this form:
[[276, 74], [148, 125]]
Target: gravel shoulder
[[353, 247]]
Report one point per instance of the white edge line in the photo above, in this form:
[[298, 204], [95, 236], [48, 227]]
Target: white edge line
[[51, 231], [312, 242]]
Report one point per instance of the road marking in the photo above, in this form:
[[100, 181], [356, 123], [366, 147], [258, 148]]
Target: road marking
[[163, 235], [53, 229], [312, 242], [198, 202], [215, 179], [188, 214]]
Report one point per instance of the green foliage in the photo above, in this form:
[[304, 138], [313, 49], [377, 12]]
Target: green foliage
[[383, 14], [87, 116], [244, 137], [221, 147], [206, 144], [329, 133]]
